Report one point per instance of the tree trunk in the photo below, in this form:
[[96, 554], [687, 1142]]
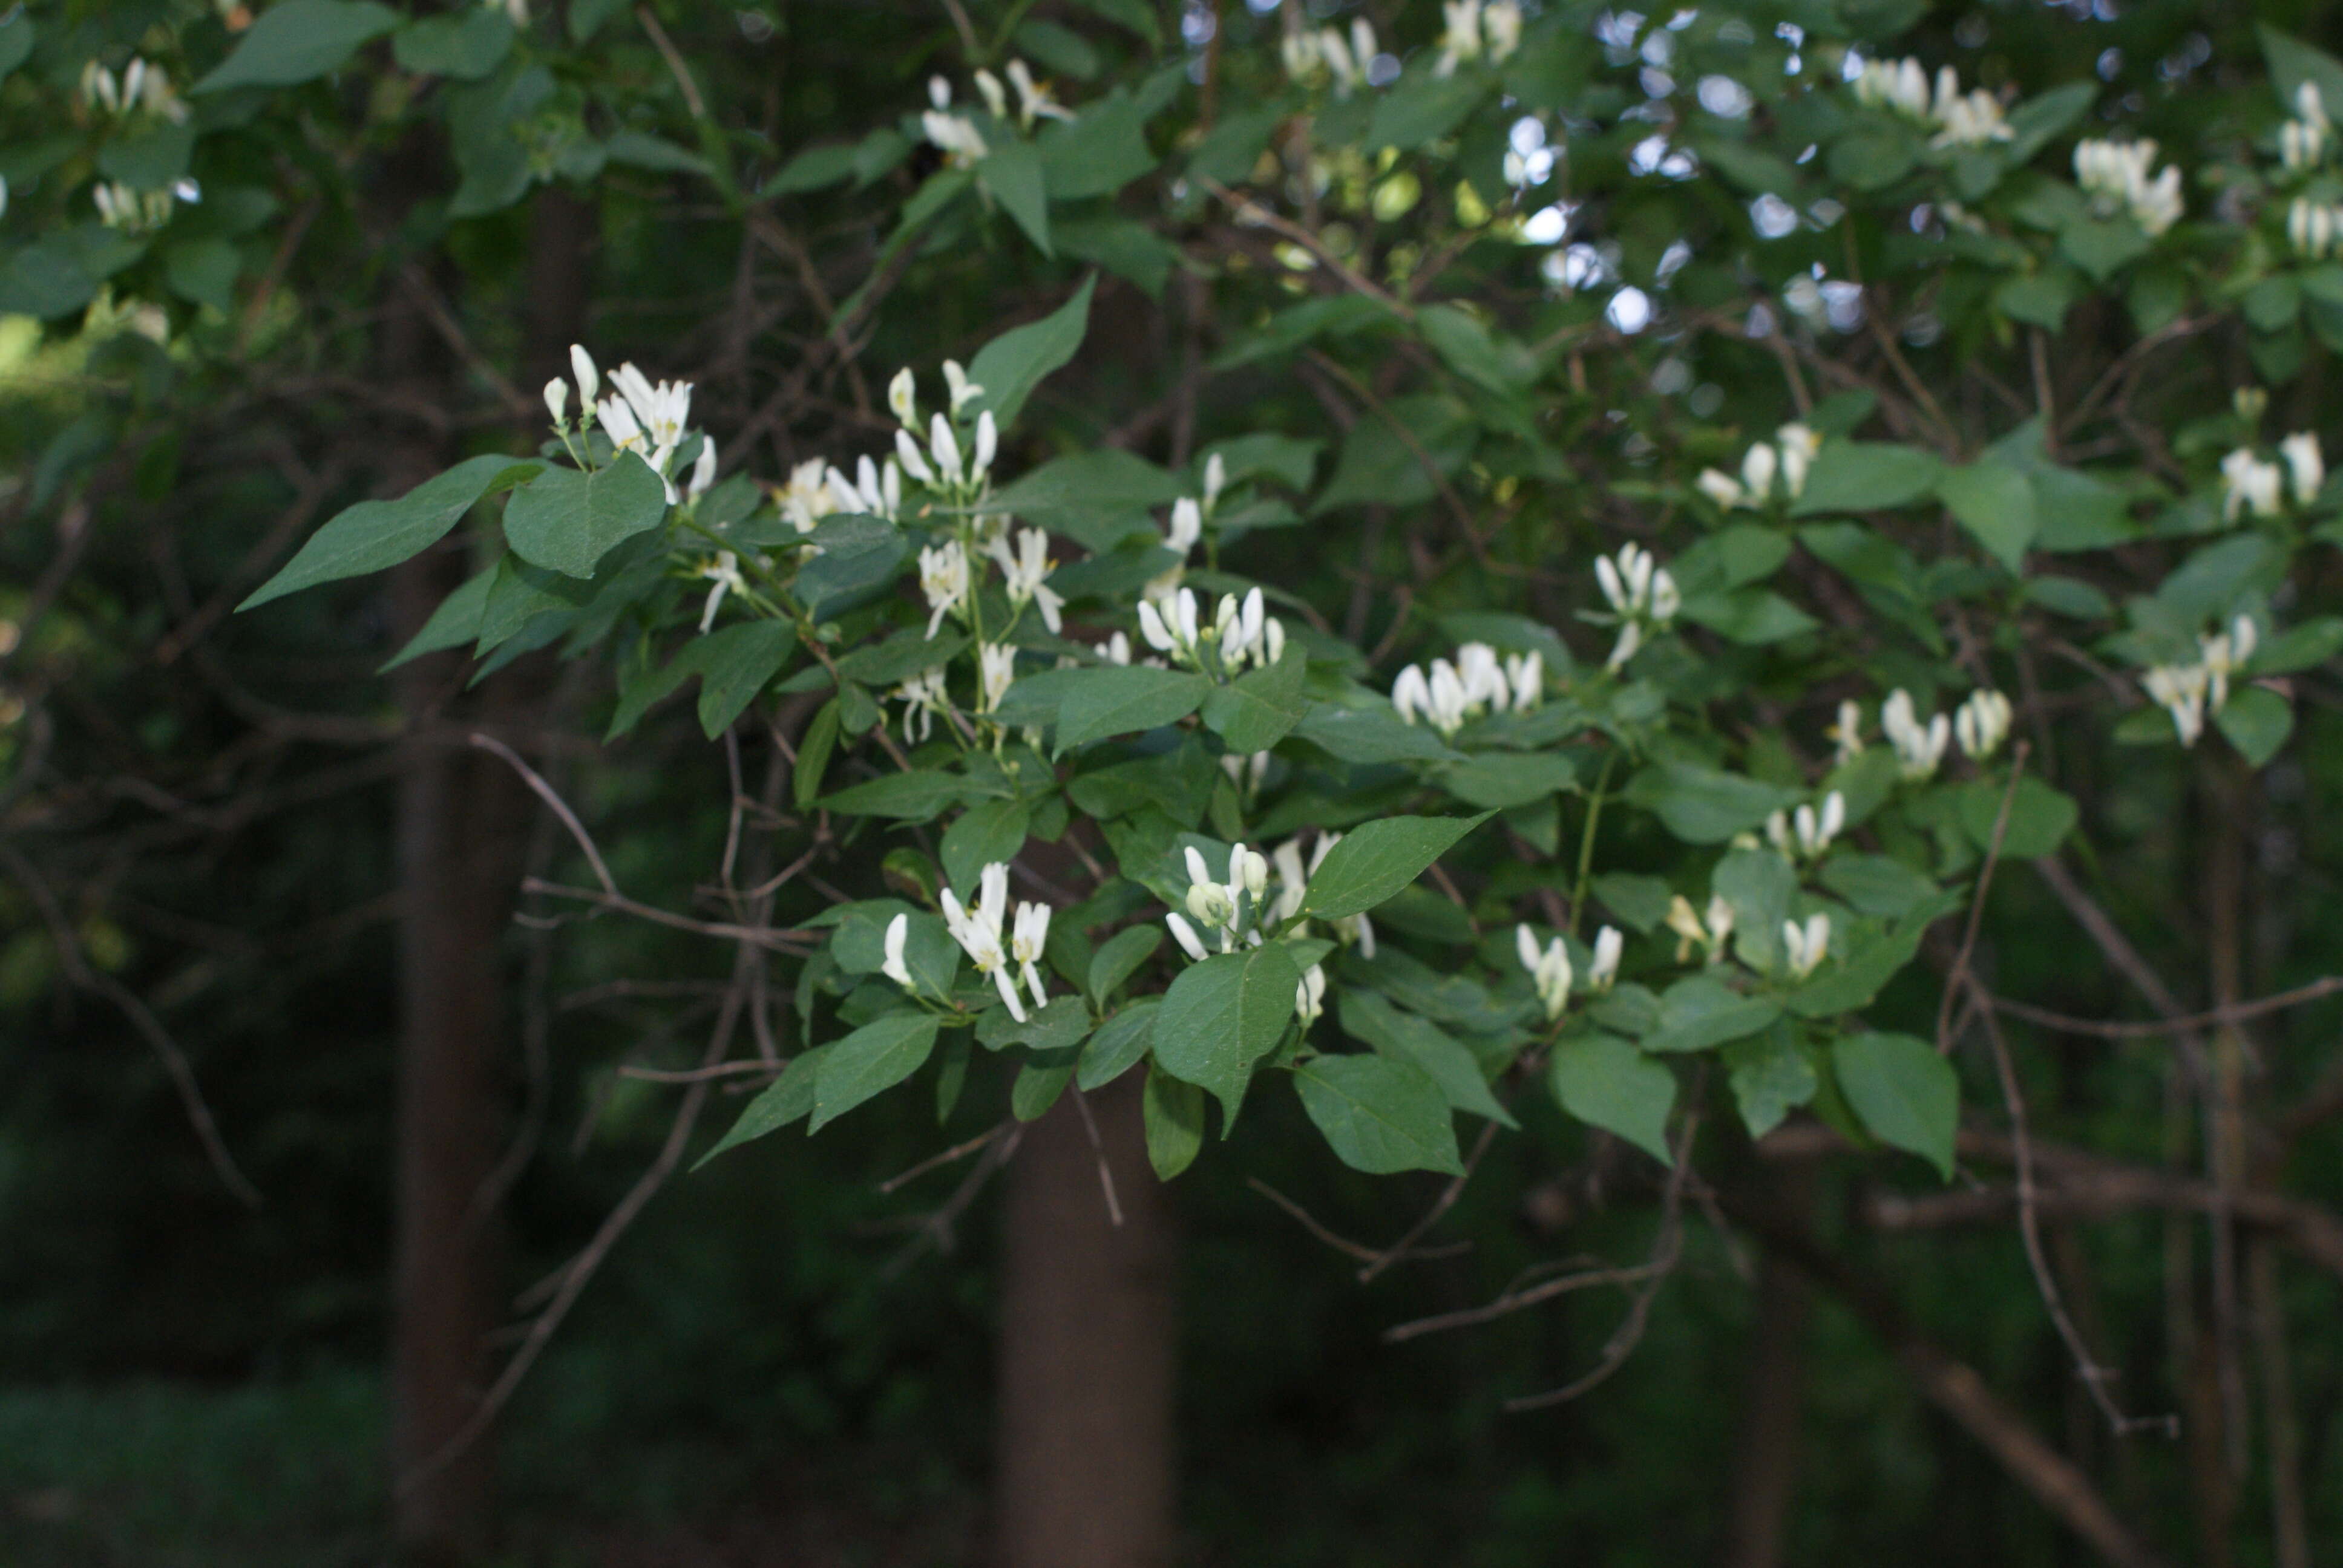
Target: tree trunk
[[1086, 1345], [1765, 1453]]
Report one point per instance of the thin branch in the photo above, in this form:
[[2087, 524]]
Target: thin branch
[[1957, 981], [2186, 1024], [1431, 1216], [561, 808]]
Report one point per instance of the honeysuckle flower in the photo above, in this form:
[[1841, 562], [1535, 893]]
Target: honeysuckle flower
[[1169, 625], [1898, 84], [1347, 60], [1216, 479], [959, 386], [807, 496], [2302, 141], [1310, 995], [1246, 772], [1981, 724], [1185, 935], [944, 578], [2312, 228], [922, 697], [556, 402], [898, 931], [1919, 748], [703, 471], [2223, 654], [1972, 119], [725, 572], [945, 448], [977, 930], [1028, 937], [2306, 465], [1641, 594], [1525, 674], [1847, 733], [1472, 29], [914, 462], [663, 407], [119, 206], [1798, 444], [1116, 649], [955, 135], [1034, 100], [1602, 971], [143, 89], [995, 97], [2115, 174], [996, 672], [1187, 526], [902, 400], [1221, 905], [1805, 947], [2250, 484], [876, 488], [1549, 971], [1766, 466], [1692, 931], [1723, 488], [619, 423], [987, 443], [1806, 834], [2180, 690], [1023, 569]]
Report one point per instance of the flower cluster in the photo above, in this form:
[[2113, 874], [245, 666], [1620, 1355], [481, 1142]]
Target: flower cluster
[[1480, 681], [1227, 911], [130, 210], [962, 475], [2302, 141], [2251, 483], [1242, 634], [1474, 31], [141, 89], [2115, 174], [642, 416], [2189, 692], [957, 136], [1189, 516], [1805, 946], [1006, 956], [1307, 52], [1981, 724], [1768, 470], [1694, 929], [2315, 229], [1971, 119], [1806, 834], [1642, 596], [1550, 969], [1919, 748]]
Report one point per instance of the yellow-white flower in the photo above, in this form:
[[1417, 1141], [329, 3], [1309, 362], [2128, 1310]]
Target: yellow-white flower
[[1549, 971], [1027, 938], [1310, 995], [1982, 723], [922, 697], [899, 930], [2306, 465], [944, 578], [2248, 484], [1919, 748], [725, 572], [977, 930], [1023, 569], [1693, 931], [1806, 834], [1847, 733], [2115, 172], [1805, 946]]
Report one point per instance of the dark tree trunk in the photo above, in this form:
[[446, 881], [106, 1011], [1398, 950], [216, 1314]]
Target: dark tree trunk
[[1087, 1347], [1765, 1453], [462, 825]]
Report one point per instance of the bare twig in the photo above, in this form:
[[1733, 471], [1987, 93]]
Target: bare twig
[[1957, 981], [2186, 1024], [1447, 1199]]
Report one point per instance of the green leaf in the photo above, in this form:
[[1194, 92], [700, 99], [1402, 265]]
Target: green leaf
[[1906, 1093], [814, 168], [733, 665], [1260, 709], [1172, 1112], [1642, 903], [520, 594], [1702, 806], [1771, 1077], [1752, 617], [1866, 476], [1116, 1045], [1875, 154], [466, 46], [990, 832], [1876, 885], [374, 535], [1498, 364], [455, 622], [567, 520], [1222, 1016], [1380, 1114], [2103, 247], [870, 1061], [788, 1099], [2258, 721], [299, 41], [2306, 647], [859, 560], [1376, 860], [1758, 884], [1012, 171], [2040, 816], [1995, 505], [1013, 364], [1118, 958], [913, 797], [2040, 119], [1037, 1089], [1128, 248], [1500, 781], [1370, 1019], [150, 158], [1370, 734], [1118, 699], [46, 280], [1606, 1082], [1097, 153], [813, 756], [1093, 496], [15, 39], [2293, 62], [202, 271], [1698, 1012], [1423, 107], [1230, 149], [1059, 1025]]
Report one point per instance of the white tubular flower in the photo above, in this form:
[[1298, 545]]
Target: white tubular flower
[[1483, 674], [806, 497], [2306, 465], [1460, 39], [1602, 973], [725, 570], [1847, 733], [1920, 749], [1300, 54], [1030, 935], [1187, 526], [944, 448], [944, 578], [893, 968], [590, 379], [2223, 655], [1034, 100], [1185, 935], [2250, 484], [1758, 467], [914, 461], [1293, 882], [955, 135], [2310, 228], [1665, 599], [1151, 627], [961, 389], [1525, 674], [2180, 690], [1023, 569], [1630, 643], [618, 420], [978, 931], [556, 402], [1411, 695], [1972, 119], [995, 97], [996, 671], [1549, 971], [1115, 649], [987, 443], [1724, 490], [1805, 946], [1807, 835], [664, 408], [1310, 995], [1800, 445], [2116, 174], [923, 697], [1692, 931], [1216, 479], [902, 400], [1981, 724], [940, 93], [1447, 708], [1500, 29], [2311, 105]]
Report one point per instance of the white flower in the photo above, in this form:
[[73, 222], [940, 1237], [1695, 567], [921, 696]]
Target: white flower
[[996, 664], [1805, 946], [1694, 931], [2312, 227], [1246, 772], [1033, 100], [1630, 642], [2306, 465], [1807, 835], [1310, 995], [1602, 972], [1187, 526], [663, 408], [1500, 29], [1525, 673], [955, 135], [807, 496], [944, 578], [1549, 971], [2302, 142], [1847, 733], [2115, 172], [1216, 478], [1221, 906], [589, 380], [995, 97], [1972, 119], [1920, 749], [894, 968], [2180, 690], [1030, 935], [2250, 484], [725, 570], [923, 697], [1898, 84], [978, 931], [1185, 935], [2224, 654], [1799, 444], [1982, 724], [1758, 467], [557, 401], [1023, 570], [901, 400], [1723, 488]]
